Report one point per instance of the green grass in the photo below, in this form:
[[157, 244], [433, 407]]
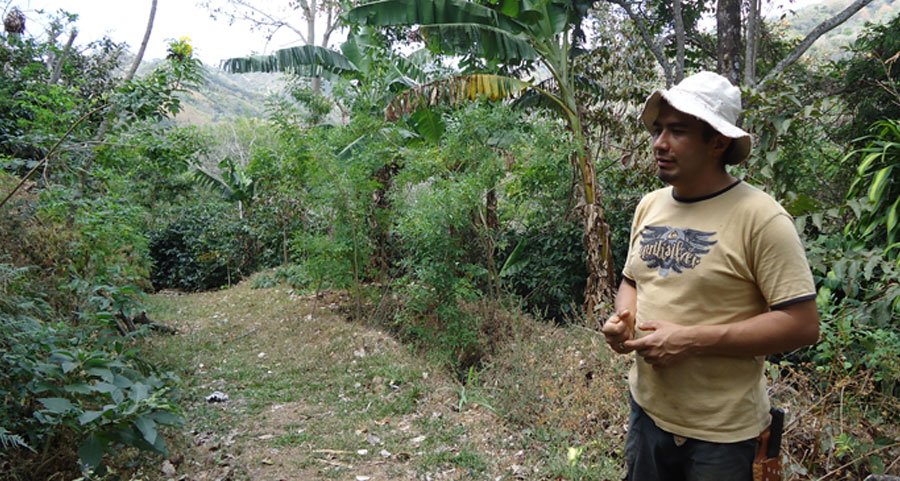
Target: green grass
[[343, 383]]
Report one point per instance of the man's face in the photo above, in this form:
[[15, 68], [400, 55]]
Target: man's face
[[683, 159]]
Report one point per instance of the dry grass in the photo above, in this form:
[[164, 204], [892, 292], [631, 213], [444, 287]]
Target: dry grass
[[326, 389]]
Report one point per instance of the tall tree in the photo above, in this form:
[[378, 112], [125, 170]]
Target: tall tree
[[270, 21], [728, 39], [517, 33]]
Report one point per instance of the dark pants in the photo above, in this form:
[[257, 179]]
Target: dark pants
[[655, 455]]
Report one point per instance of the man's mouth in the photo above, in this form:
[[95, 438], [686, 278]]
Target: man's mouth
[[664, 163]]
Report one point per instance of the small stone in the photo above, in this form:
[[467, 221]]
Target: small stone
[[167, 468], [217, 397]]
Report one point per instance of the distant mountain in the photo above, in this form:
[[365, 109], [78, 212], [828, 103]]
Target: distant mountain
[[831, 45], [225, 96]]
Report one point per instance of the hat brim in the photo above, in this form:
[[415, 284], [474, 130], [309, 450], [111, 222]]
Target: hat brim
[[688, 105]]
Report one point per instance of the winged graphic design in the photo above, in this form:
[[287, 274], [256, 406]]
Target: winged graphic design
[[674, 249]]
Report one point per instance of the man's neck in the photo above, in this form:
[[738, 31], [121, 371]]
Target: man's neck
[[704, 187]]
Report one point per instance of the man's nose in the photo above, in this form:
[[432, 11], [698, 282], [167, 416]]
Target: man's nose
[[661, 141]]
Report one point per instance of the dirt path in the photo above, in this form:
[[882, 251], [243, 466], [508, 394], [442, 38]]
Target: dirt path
[[311, 396]]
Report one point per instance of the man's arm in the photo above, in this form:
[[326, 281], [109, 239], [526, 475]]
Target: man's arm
[[620, 326], [780, 330]]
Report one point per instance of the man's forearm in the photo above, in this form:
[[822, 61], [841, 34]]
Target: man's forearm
[[768, 333], [626, 297]]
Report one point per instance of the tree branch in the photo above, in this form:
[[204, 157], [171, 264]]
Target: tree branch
[[58, 61], [807, 42], [140, 53], [51, 152], [267, 20], [648, 39]]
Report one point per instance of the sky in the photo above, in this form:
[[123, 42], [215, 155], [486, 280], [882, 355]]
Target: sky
[[213, 40], [126, 21]]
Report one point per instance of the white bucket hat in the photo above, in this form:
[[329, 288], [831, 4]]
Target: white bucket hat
[[709, 97]]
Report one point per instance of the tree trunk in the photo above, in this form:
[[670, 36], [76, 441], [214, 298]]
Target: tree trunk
[[753, 23], [104, 125], [59, 61], [599, 292], [311, 35], [140, 53], [728, 33], [679, 40]]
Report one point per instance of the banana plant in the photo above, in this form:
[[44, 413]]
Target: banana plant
[[876, 183], [233, 182], [513, 33], [354, 61]]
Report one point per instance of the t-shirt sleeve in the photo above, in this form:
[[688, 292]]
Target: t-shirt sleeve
[[779, 264], [632, 239]]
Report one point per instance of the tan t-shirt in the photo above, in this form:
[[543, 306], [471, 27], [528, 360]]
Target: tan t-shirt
[[716, 260]]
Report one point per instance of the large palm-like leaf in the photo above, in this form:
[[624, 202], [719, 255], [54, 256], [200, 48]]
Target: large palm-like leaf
[[354, 61], [305, 60], [459, 26]]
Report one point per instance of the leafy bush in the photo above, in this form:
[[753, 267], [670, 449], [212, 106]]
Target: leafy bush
[[294, 275], [546, 269], [875, 191], [859, 301], [62, 383], [206, 246]]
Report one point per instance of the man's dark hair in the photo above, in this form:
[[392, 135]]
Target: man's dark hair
[[708, 133]]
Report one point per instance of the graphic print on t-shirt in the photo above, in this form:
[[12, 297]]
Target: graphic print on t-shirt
[[673, 248]]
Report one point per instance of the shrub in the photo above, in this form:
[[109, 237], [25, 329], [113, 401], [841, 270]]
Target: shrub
[[62, 383], [206, 246]]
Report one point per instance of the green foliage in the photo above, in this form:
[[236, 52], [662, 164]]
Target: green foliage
[[859, 301], [204, 247], [876, 191], [871, 79], [61, 382], [546, 269]]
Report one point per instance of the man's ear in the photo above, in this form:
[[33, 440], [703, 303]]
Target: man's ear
[[721, 143]]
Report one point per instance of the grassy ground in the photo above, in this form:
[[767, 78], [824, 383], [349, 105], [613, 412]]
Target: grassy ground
[[315, 397], [312, 396]]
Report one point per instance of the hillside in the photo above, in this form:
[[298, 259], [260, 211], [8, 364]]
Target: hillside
[[224, 96], [802, 20]]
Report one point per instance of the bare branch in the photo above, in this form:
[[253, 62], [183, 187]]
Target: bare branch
[[246, 10], [330, 24], [807, 42], [140, 53], [653, 45], [58, 61]]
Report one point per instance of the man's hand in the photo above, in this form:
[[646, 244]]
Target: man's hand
[[618, 329], [666, 344]]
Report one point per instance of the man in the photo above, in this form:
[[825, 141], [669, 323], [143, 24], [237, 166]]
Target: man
[[716, 279]]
